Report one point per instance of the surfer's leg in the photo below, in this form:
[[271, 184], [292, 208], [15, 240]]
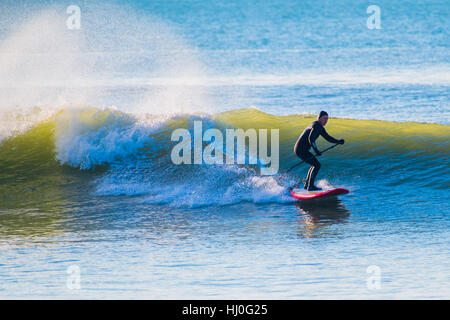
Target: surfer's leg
[[308, 176], [315, 165], [305, 156]]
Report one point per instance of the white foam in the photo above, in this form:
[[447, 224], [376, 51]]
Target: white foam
[[324, 184], [104, 137]]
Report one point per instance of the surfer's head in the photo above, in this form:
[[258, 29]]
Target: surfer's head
[[322, 118]]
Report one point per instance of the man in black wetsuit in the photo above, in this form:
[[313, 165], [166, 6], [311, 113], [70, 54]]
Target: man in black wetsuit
[[306, 141]]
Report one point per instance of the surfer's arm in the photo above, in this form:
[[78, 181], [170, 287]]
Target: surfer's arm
[[313, 135], [318, 153], [328, 137]]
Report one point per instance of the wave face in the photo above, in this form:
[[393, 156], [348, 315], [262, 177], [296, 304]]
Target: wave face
[[126, 154]]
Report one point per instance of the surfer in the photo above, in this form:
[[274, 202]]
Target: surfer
[[306, 141]]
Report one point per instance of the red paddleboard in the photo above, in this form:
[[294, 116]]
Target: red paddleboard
[[304, 194]]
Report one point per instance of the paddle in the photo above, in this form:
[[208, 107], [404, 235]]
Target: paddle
[[296, 165]]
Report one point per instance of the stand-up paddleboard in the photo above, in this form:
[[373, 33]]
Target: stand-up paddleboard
[[303, 194]]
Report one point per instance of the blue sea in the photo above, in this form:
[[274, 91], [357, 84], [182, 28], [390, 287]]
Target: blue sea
[[92, 207]]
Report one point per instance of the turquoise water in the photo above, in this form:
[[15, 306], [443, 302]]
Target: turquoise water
[[86, 181]]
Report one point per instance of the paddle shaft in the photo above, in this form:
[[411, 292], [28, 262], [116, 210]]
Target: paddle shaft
[[295, 165]]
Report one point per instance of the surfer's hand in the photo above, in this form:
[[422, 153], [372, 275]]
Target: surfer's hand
[[341, 141]]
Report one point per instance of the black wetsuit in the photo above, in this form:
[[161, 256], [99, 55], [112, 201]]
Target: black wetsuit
[[305, 142]]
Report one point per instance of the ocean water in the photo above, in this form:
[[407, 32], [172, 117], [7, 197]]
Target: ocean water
[[92, 207]]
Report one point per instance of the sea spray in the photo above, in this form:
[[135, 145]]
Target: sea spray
[[46, 65]]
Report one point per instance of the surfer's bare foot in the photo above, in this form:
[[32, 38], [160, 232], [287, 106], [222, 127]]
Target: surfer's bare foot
[[314, 188]]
